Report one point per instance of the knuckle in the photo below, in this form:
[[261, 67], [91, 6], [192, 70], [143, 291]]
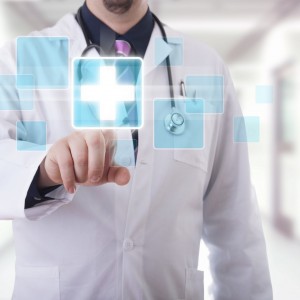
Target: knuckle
[[59, 144], [76, 134], [96, 172], [67, 164], [68, 181], [95, 140], [81, 160]]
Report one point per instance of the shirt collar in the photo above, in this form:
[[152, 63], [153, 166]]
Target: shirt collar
[[138, 36]]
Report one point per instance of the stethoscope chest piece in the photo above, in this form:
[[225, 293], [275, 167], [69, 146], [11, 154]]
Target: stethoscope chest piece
[[175, 123]]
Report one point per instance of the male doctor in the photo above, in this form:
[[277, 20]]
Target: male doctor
[[85, 229]]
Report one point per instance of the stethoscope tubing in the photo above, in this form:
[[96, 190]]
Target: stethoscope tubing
[[171, 126]]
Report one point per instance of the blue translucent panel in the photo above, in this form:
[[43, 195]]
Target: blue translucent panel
[[194, 106], [191, 138], [210, 89], [31, 136], [89, 88], [124, 153], [12, 98], [173, 49], [264, 94], [246, 129], [46, 59], [25, 82]]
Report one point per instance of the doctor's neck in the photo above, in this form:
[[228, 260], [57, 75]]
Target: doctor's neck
[[119, 15]]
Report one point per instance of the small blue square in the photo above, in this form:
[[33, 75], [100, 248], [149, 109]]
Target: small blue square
[[173, 48], [107, 93], [247, 129], [194, 106], [31, 136], [12, 98], [124, 153], [210, 89], [193, 134], [46, 59], [264, 94], [25, 82]]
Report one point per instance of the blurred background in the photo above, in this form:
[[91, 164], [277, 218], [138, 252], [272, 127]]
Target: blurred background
[[260, 41]]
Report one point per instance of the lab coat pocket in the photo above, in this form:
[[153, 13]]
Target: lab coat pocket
[[194, 285], [194, 158], [36, 283]]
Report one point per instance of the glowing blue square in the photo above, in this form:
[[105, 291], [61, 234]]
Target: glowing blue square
[[191, 138], [124, 155], [107, 93], [210, 89], [246, 129], [46, 59], [264, 94], [12, 98], [31, 136], [173, 49]]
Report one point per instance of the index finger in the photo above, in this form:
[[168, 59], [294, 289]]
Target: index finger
[[96, 155], [110, 137]]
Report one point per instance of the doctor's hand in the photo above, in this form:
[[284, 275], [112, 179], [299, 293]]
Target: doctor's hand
[[83, 158]]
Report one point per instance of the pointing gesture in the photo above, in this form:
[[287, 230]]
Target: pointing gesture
[[83, 158]]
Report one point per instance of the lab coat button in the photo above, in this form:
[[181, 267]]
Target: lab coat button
[[128, 245]]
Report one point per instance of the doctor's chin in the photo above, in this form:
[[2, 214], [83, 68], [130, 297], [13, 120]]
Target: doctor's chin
[[135, 164]]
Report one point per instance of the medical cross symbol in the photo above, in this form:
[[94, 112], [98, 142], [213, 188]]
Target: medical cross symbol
[[108, 93]]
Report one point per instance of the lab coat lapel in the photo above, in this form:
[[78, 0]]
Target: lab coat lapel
[[158, 50], [77, 39]]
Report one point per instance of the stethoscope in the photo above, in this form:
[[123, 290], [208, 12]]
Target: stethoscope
[[174, 121]]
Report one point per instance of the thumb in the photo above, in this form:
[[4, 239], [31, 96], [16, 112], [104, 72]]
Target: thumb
[[118, 175]]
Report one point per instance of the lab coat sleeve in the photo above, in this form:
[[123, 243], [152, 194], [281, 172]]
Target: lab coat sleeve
[[17, 168], [232, 227]]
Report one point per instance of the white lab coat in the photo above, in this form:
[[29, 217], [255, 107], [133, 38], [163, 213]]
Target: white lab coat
[[140, 241]]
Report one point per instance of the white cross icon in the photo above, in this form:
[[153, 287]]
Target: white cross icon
[[108, 93]]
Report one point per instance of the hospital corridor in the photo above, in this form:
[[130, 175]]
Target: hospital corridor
[[259, 42]]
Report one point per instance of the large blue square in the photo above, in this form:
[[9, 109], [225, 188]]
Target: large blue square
[[31, 135], [210, 89], [193, 134], [247, 129], [46, 59], [107, 93], [12, 98]]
